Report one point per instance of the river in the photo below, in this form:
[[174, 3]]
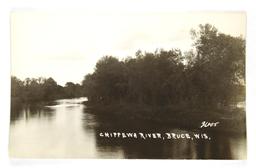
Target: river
[[67, 129]]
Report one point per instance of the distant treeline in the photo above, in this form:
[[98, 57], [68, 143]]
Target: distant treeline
[[212, 73], [33, 90]]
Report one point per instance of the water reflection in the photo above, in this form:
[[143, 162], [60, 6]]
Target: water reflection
[[67, 129], [31, 111], [221, 146]]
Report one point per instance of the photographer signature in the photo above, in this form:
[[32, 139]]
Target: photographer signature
[[206, 124]]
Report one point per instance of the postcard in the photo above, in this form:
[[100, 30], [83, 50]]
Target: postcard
[[128, 85]]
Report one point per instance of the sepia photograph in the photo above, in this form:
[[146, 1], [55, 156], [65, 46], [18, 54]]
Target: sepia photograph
[[128, 85]]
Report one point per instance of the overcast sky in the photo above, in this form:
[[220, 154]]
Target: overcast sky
[[66, 45]]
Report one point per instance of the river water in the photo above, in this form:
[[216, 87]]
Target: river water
[[67, 129]]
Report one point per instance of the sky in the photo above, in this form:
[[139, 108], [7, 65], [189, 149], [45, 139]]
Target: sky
[[66, 45]]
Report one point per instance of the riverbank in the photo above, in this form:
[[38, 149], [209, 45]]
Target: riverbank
[[17, 104], [231, 120]]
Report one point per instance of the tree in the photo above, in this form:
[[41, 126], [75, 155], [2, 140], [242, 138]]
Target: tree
[[16, 87], [218, 66], [50, 89], [72, 90], [110, 81]]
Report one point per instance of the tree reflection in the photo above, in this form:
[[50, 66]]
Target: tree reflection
[[27, 112], [219, 147]]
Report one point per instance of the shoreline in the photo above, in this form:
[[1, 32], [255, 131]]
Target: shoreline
[[232, 121]]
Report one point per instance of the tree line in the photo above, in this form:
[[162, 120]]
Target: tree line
[[33, 90], [212, 73]]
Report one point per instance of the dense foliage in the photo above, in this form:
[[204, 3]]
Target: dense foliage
[[211, 74], [41, 89]]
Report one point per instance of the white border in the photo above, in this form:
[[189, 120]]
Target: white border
[[122, 5]]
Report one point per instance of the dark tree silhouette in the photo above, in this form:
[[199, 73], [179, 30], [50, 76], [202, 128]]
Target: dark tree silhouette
[[41, 89], [211, 74]]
